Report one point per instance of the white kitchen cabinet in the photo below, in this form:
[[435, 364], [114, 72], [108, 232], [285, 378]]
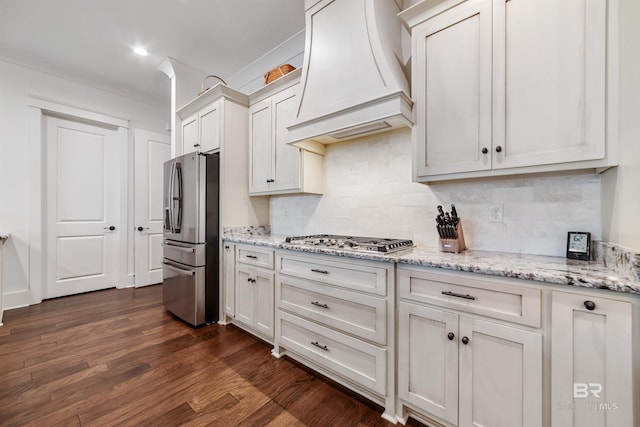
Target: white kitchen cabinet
[[504, 87], [254, 290], [337, 316], [592, 381], [254, 298], [276, 167], [455, 367], [452, 90], [500, 375], [229, 279], [428, 360], [201, 131]]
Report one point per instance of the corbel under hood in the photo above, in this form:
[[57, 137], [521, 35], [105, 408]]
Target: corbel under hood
[[353, 80]]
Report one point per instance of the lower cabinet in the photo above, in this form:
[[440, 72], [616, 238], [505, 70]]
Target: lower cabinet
[[337, 317], [253, 290], [459, 369], [592, 381], [447, 348], [467, 371], [254, 298], [354, 359]]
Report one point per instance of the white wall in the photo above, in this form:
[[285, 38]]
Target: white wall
[[621, 185], [16, 84], [368, 191]]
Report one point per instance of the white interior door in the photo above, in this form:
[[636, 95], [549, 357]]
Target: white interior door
[[82, 207], [151, 151]]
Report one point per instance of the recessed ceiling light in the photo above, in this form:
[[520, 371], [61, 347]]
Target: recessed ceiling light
[[140, 51]]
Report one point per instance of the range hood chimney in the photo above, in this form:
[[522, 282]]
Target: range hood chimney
[[353, 80]]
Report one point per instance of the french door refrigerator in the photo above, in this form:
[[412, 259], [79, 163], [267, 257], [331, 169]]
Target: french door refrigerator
[[191, 238]]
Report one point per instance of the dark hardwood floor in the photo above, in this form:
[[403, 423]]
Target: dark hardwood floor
[[116, 357]]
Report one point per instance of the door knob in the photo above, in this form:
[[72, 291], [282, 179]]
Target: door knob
[[451, 336], [465, 340], [142, 228], [110, 228], [484, 150], [498, 149], [589, 305]]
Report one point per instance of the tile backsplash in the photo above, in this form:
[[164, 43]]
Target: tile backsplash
[[368, 191]]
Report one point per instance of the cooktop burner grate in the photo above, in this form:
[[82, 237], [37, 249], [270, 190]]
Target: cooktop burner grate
[[356, 243]]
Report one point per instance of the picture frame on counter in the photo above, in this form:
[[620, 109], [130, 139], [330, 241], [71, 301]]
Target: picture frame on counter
[[579, 245]]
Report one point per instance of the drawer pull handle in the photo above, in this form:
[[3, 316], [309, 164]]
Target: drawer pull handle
[[315, 270], [451, 336], [453, 294], [320, 346], [316, 303], [590, 305], [252, 256], [251, 280], [465, 340]]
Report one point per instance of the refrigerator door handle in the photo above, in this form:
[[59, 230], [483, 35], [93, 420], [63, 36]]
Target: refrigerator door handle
[[178, 225], [170, 197], [179, 248], [178, 269]]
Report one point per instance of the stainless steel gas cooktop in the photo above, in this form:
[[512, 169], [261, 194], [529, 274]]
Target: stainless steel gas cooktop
[[354, 243]]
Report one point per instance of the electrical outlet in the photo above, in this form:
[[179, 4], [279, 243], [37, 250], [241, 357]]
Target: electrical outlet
[[496, 213]]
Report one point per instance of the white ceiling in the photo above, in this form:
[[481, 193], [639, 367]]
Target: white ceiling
[[90, 41]]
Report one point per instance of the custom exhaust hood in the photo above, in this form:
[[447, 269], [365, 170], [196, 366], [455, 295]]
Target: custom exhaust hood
[[353, 80]]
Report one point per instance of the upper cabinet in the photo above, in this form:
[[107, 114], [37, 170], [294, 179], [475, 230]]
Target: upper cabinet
[[275, 166], [202, 119], [202, 130], [504, 87]]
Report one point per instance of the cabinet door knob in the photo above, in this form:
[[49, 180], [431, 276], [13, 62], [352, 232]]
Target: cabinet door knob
[[484, 150], [110, 228], [589, 305], [498, 149], [465, 340], [226, 247], [451, 336]]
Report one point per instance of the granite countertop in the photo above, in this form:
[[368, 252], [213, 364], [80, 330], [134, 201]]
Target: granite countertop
[[547, 269]]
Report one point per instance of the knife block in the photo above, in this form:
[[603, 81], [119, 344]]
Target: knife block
[[453, 245]]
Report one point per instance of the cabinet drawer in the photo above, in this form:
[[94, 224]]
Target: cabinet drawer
[[361, 275], [362, 363], [254, 256], [512, 303], [362, 315]]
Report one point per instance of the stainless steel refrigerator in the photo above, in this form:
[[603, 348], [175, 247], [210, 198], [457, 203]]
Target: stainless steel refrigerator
[[190, 287]]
